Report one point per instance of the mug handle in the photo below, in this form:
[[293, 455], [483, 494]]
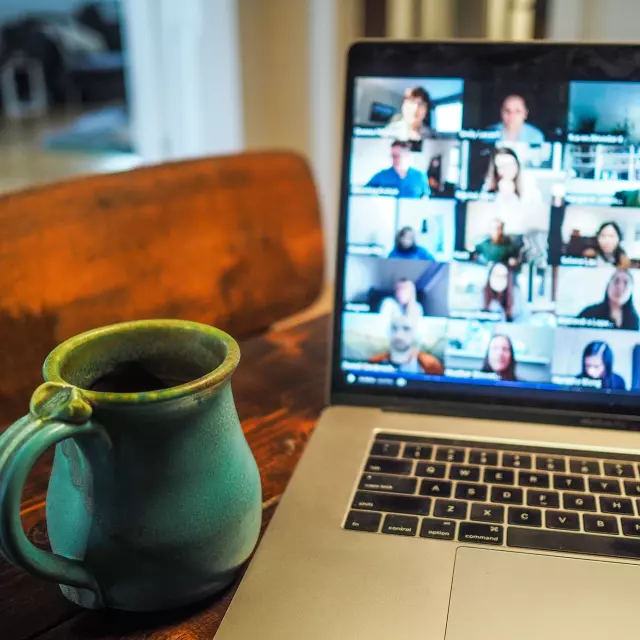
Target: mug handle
[[57, 412]]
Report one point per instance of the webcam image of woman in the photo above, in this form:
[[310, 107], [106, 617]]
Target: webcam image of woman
[[501, 294], [617, 306], [404, 302], [413, 121], [597, 364], [500, 358], [608, 249]]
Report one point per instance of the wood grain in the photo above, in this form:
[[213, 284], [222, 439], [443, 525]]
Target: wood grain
[[233, 241], [279, 391]]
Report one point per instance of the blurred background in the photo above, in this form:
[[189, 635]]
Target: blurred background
[[106, 85]]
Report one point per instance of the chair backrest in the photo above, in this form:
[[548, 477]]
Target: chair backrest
[[234, 241]]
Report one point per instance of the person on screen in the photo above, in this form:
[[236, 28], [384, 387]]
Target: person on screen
[[504, 174], [413, 121], [405, 301], [409, 182], [407, 248], [597, 364], [513, 125], [501, 294], [608, 249], [498, 247], [434, 173], [500, 358], [404, 353], [617, 306]]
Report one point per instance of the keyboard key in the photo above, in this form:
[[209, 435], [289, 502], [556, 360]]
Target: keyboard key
[[543, 499], [487, 513], [466, 491], [450, 454], [389, 502], [563, 520], [437, 488], [441, 529], [631, 527], [579, 502], [470, 474], [417, 451], [450, 509], [538, 480], [592, 467], [568, 483], [478, 456], [499, 476], [621, 506], [400, 525], [393, 484], [632, 488], [387, 449], [573, 542], [525, 517], [363, 521], [619, 470], [430, 470], [545, 463], [481, 533], [506, 496], [389, 465], [600, 524], [516, 460], [606, 485]]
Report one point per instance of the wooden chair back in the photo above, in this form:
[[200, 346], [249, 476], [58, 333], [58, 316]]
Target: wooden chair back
[[234, 241]]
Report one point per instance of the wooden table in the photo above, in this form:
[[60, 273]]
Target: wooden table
[[279, 390]]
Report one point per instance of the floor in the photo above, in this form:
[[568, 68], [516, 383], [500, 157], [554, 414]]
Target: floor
[[24, 162]]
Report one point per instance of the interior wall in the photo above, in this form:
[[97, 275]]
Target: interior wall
[[593, 20]]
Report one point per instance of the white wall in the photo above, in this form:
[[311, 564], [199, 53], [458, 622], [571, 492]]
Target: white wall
[[12, 9], [594, 20]]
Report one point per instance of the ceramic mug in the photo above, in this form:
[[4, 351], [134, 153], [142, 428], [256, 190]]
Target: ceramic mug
[[154, 500]]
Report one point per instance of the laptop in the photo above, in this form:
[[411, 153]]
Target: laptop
[[477, 471]]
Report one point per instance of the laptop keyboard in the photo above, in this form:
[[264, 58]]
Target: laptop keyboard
[[488, 494]]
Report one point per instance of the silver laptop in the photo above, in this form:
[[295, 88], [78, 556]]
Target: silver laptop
[[477, 472]]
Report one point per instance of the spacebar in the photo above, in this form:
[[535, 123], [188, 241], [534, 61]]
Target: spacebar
[[599, 545]]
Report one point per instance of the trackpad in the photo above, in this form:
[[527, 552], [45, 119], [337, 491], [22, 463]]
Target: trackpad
[[502, 595]]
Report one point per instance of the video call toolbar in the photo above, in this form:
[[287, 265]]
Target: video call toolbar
[[494, 238]]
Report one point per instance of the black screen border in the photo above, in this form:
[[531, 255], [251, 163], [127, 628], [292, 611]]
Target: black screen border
[[570, 62]]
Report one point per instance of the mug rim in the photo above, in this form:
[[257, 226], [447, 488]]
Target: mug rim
[[210, 382]]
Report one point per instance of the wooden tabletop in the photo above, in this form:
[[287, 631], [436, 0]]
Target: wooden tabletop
[[279, 389]]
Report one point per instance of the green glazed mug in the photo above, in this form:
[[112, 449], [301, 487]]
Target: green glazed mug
[[154, 500]]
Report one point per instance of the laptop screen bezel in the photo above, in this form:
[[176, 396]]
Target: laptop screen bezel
[[417, 59]]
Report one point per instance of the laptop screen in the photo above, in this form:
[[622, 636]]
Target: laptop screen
[[490, 229]]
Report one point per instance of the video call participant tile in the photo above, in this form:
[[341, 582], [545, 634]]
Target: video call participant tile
[[597, 360], [402, 229], [390, 167], [395, 344], [602, 298], [393, 287], [499, 352], [499, 293], [604, 112], [591, 236], [512, 110], [487, 232], [408, 109]]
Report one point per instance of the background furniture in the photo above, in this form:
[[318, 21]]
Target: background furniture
[[233, 241], [279, 390]]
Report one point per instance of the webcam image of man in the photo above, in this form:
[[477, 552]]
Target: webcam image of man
[[513, 123], [404, 353], [409, 182]]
